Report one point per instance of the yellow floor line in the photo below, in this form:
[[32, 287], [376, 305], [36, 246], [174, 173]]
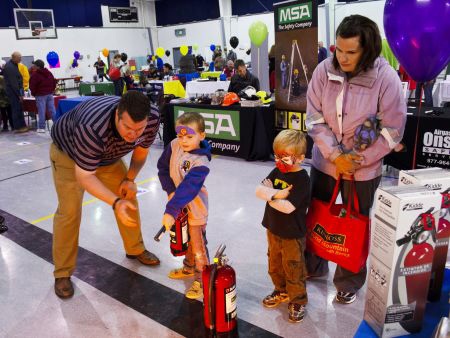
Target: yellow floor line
[[92, 200]]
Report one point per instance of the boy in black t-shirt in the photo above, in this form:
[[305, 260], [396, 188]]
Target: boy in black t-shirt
[[287, 192]]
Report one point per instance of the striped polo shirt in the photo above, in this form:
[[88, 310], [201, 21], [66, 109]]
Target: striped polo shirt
[[89, 136]]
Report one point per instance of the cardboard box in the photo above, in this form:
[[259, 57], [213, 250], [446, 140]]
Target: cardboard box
[[401, 255], [439, 180]]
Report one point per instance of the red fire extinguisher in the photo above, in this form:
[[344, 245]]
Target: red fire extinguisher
[[179, 234], [440, 251], [416, 267], [219, 290]]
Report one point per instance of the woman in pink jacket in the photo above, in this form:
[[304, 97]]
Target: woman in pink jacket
[[353, 87]]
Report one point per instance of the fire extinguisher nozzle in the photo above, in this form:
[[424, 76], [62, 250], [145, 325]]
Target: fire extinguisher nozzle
[[160, 233]]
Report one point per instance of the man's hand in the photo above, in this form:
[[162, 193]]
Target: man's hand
[[127, 190], [347, 164], [267, 183], [283, 194], [122, 212], [168, 221]]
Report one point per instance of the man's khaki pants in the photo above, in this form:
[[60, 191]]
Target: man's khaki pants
[[66, 224]]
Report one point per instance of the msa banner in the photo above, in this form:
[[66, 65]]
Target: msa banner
[[222, 128], [296, 53]]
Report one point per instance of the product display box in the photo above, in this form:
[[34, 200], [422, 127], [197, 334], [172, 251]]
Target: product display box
[[439, 180], [403, 239]]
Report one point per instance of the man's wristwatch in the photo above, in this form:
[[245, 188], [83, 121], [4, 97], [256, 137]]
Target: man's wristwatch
[[115, 202]]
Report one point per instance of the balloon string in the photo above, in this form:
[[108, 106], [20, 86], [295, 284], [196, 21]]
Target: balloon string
[[417, 128]]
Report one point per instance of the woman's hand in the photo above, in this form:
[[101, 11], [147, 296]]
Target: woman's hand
[[347, 164]]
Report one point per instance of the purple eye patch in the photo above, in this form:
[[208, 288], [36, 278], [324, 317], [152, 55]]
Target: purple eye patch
[[183, 130]]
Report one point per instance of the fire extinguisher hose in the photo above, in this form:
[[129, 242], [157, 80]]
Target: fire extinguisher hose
[[211, 306]]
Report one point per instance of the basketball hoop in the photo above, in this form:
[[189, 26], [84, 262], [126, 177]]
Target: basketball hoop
[[41, 33]]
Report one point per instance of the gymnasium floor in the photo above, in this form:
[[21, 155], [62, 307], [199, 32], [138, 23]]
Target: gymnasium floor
[[117, 297]]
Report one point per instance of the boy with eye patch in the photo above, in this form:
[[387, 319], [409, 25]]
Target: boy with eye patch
[[182, 170], [287, 193]]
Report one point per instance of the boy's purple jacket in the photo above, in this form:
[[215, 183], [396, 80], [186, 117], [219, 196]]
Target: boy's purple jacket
[[336, 106]]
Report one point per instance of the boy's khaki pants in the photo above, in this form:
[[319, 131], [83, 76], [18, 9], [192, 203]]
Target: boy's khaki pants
[[66, 223]]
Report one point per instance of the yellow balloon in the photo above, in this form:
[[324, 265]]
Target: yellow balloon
[[160, 52], [184, 50], [153, 57], [105, 52]]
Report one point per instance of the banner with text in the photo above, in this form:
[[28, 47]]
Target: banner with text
[[296, 53], [222, 128]]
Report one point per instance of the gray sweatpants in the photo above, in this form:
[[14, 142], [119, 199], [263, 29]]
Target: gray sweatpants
[[322, 189]]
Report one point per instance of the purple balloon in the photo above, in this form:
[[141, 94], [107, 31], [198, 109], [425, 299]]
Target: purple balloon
[[418, 33], [76, 55]]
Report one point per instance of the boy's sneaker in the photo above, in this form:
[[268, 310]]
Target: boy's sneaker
[[345, 297], [195, 291], [275, 298], [180, 273], [296, 312]]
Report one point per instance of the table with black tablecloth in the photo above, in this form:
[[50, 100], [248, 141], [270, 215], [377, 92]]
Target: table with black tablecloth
[[433, 141], [244, 132]]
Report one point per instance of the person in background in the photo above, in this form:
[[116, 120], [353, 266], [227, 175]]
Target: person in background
[[167, 70], [242, 78], [322, 52], [5, 109], [187, 64], [118, 84], [272, 74], [14, 90], [42, 85], [427, 90], [100, 67], [219, 63], [371, 88], [229, 70], [25, 77], [231, 56], [200, 61]]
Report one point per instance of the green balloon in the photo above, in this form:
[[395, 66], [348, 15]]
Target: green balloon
[[258, 33]]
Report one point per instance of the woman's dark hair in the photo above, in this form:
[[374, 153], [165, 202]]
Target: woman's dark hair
[[136, 104], [168, 66], [369, 39]]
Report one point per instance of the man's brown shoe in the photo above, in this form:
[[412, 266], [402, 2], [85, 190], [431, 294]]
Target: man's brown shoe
[[63, 287], [146, 258]]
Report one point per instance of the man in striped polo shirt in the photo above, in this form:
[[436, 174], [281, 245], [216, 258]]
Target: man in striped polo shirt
[[86, 154]]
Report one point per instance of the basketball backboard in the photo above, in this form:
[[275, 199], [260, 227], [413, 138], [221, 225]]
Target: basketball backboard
[[35, 24]]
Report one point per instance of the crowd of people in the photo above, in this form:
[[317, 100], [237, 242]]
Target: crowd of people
[[16, 82]]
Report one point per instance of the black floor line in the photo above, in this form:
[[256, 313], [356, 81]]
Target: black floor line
[[154, 300], [30, 172]]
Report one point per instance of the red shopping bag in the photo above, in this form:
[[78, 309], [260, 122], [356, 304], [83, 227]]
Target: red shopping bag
[[337, 232], [114, 73]]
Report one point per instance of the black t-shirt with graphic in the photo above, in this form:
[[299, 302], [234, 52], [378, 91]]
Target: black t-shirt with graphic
[[291, 225]]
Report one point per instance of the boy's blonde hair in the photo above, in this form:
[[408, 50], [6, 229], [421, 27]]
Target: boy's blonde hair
[[290, 139], [191, 117]]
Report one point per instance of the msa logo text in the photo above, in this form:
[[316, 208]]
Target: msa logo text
[[434, 186], [404, 180], [295, 13], [218, 124], [412, 206], [385, 201]]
